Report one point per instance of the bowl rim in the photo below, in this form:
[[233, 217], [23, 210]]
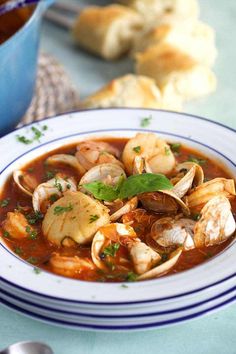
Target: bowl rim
[[52, 119]]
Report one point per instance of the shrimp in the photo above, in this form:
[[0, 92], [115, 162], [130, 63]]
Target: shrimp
[[16, 225], [92, 153], [158, 157], [70, 265]]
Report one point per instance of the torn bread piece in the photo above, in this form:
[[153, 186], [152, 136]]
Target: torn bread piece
[[197, 39], [170, 66], [131, 91], [107, 31], [164, 11]]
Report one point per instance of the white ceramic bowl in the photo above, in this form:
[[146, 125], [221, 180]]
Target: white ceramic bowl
[[152, 303]]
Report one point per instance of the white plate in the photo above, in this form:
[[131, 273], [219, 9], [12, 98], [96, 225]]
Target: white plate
[[214, 139]]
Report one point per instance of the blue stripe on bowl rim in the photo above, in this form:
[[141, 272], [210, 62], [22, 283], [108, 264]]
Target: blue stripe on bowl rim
[[112, 130], [103, 316], [151, 325]]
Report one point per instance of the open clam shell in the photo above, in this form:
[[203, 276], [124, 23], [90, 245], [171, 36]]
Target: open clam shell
[[114, 232], [55, 186], [162, 268], [130, 205], [216, 224], [18, 177], [194, 176], [169, 232], [66, 159], [200, 195], [164, 201], [143, 256], [108, 173]]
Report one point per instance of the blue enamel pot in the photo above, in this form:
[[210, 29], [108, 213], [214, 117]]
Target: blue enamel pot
[[18, 66]]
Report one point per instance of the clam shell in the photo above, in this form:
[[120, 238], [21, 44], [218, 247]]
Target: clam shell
[[163, 268], [66, 159]]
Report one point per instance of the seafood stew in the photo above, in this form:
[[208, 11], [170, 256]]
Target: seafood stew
[[118, 209]]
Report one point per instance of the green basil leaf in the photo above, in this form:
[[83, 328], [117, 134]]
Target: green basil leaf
[[146, 182], [102, 191]]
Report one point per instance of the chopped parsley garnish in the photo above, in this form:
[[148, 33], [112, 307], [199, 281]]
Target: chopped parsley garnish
[[53, 198], [31, 233], [145, 122], [167, 151], [23, 139], [197, 160], [4, 202], [137, 149], [37, 134], [93, 218], [37, 270], [175, 147], [124, 286], [6, 234], [208, 255], [18, 250], [58, 185], [44, 127], [111, 250], [131, 276], [60, 209], [164, 257], [196, 216], [50, 174], [30, 169], [32, 260], [34, 217]]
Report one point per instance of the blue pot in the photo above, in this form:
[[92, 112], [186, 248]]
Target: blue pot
[[18, 66]]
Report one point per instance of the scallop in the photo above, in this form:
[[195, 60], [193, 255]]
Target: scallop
[[156, 152], [216, 224], [76, 216], [55, 186]]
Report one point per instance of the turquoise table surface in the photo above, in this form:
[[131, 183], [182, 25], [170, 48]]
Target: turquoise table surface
[[215, 333]]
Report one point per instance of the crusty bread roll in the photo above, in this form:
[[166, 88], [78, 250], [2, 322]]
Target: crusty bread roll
[[132, 91], [196, 39], [164, 11], [107, 31], [168, 65]]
